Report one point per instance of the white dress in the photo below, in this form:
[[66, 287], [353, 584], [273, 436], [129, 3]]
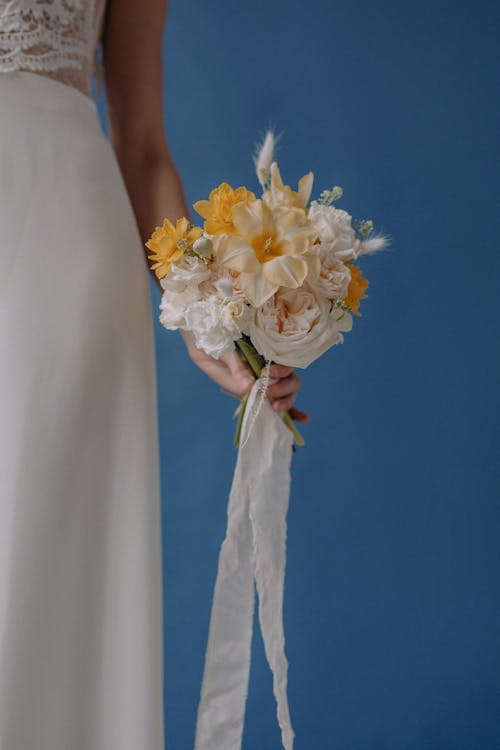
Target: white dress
[[81, 664]]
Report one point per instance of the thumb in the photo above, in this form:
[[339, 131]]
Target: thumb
[[241, 372]]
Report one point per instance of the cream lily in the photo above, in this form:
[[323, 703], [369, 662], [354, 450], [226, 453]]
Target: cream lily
[[282, 196], [270, 251]]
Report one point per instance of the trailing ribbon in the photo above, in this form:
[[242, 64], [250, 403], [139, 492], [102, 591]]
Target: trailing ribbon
[[253, 552]]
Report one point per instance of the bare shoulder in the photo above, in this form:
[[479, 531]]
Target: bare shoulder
[[132, 59]]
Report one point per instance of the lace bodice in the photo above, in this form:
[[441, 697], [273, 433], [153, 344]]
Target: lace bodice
[[57, 38]]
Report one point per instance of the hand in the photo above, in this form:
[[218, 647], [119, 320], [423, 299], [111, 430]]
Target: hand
[[235, 377], [283, 393]]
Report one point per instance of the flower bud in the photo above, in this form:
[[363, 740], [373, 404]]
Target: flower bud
[[203, 247], [224, 287]]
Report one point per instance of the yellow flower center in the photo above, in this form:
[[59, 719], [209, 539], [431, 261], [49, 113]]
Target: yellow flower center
[[225, 207], [266, 247], [168, 243]]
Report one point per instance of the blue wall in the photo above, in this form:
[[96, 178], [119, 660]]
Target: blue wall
[[392, 610]]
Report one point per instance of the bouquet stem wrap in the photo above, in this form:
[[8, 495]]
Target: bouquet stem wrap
[[253, 553]]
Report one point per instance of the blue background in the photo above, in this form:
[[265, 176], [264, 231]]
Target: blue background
[[392, 610]]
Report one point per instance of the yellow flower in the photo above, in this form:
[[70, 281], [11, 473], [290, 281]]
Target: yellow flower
[[217, 210], [269, 251], [280, 195], [356, 289], [169, 243]]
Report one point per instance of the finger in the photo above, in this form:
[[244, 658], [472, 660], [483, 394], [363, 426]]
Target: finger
[[240, 370], [228, 392], [284, 387], [298, 415], [283, 404], [280, 371], [222, 375]]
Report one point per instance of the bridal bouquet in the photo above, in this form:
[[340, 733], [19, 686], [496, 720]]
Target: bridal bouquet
[[277, 278]]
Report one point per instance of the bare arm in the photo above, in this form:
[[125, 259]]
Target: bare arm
[[132, 57], [132, 47]]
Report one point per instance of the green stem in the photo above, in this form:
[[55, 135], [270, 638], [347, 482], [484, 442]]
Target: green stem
[[240, 420], [254, 359], [291, 425], [257, 362]]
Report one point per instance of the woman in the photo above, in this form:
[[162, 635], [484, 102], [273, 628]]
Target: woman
[[80, 555]]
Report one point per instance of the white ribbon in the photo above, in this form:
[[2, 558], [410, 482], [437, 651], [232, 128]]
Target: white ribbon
[[254, 549]]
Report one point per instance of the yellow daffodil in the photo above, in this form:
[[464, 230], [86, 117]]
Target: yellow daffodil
[[280, 195], [217, 210], [168, 243], [356, 289], [269, 250]]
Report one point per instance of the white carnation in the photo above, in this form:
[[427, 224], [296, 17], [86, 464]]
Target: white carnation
[[203, 318], [174, 305], [334, 228], [295, 326]]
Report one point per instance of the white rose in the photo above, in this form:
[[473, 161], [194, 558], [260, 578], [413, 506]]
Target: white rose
[[334, 276], [334, 227], [295, 326], [189, 271], [203, 318], [235, 315], [174, 305]]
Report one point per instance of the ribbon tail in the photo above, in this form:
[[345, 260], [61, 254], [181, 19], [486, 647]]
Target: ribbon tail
[[224, 689], [253, 549], [270, 451]]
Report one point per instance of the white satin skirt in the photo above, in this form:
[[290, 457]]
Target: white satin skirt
[[81, 664]]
